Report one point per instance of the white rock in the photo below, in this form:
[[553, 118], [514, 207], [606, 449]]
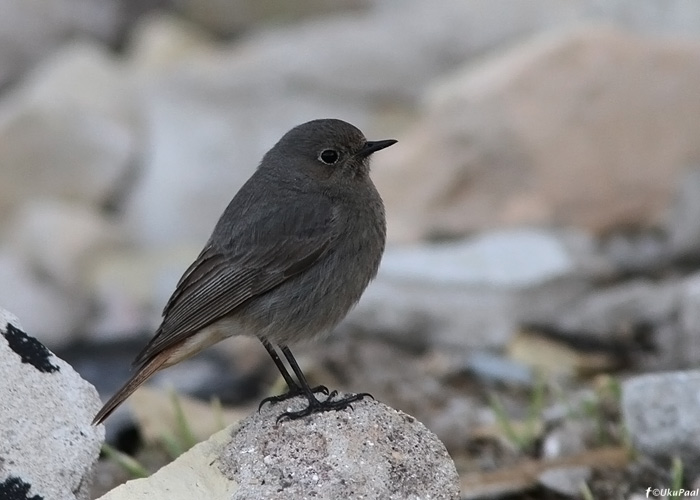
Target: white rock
[[66, 133], [48, 446], [55, 315], [60, 240], [660, 413]]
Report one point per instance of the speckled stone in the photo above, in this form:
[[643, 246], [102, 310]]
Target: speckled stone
[[370, 451]]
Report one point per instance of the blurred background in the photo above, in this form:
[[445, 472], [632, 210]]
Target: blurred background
[[543, 200]]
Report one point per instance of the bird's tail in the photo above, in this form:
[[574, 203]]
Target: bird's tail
[[142, 374]]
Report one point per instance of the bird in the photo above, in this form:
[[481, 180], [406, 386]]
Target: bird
[[289, 257]]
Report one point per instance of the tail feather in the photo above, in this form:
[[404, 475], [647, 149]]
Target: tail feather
[[142, 374]]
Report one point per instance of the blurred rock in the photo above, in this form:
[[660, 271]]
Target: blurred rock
[[556, 131], [45, 266], [130, 286], [159, 42], [463, 294], [65, 134], [30, 30], [688, 341], [566, 439], [59, 240], [492, 368], [55, 315], [565, 481], [660, 413], [683, 224], [230, 18], [618, 313], [48, 446], [642, 251]]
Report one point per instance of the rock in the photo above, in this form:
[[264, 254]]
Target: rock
[[192, 475], [566, 481], [130, 286], [66, 135], [660, 413], [683, 223], [159, 42], [687, 341], [30, 31], [617, 313], [226, 18], [60, 240], [463, 294], [371, 451], [48, 446], [555, 131], [55, 315]]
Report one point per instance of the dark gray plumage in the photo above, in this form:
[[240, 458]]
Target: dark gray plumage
[[289, 257]]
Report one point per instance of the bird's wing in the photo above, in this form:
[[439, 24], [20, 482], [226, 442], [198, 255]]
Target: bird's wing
[[253, 261]]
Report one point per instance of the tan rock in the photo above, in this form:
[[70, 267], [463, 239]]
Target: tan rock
[[587, 127]]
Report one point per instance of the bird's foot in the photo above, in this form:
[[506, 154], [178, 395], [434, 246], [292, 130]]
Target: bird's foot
[[292, 393], [316, 406]]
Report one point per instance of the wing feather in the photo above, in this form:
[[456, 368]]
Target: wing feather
[[220, 280]]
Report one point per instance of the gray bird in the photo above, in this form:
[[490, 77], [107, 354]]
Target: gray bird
[[291, 254]]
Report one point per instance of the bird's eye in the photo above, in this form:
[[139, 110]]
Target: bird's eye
[[329, 156]]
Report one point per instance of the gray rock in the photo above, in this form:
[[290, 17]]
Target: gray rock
[[48, 446], [566, 481], [464, 294], [683, 223], [60, 240], [372, 451], [616, 313], [64, 134], [688, 341], [54, 315], [660, 413], [29, 30]]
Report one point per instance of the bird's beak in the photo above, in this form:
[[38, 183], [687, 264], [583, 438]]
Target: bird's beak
[[372, 146]]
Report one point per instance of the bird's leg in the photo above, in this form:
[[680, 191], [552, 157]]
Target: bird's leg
[[315, 406], [294, 389]]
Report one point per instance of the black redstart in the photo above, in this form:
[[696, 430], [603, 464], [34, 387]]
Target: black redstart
[[289, 257]]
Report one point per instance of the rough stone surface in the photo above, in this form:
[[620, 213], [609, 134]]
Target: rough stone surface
[[47, 444], [534, 137], [660, 412], [371, 452]]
